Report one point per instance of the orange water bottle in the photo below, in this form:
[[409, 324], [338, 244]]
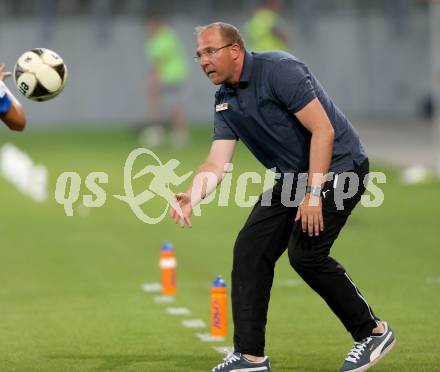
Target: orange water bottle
[[219, 307], [168, 265]]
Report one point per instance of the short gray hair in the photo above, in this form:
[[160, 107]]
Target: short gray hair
[[230, 33]]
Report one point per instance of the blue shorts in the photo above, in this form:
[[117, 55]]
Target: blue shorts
[[5, 101]]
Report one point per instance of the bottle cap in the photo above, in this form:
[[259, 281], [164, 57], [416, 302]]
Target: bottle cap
[[219, 282], [167, 247]]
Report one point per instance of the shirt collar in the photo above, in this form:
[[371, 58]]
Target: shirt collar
[[244, 76], [246, 70]]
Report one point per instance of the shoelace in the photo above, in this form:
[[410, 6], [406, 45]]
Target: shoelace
[[356, 351], [230, 358]]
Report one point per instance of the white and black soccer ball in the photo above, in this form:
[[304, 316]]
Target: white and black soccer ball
[[40, 74]]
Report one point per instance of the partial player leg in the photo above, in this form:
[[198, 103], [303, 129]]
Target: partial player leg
[[309, 256], [258, 246]]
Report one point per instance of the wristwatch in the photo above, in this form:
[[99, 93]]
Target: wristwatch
[[313, 190]]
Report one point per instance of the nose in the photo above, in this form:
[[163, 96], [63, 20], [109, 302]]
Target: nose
[[204, 60]]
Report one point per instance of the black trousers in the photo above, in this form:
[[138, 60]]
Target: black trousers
[[267, 233]]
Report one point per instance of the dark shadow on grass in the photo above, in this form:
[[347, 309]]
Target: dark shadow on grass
[[114, 361]]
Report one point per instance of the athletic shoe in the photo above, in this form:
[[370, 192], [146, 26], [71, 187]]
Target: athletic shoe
[[369, 351], [235, 362]]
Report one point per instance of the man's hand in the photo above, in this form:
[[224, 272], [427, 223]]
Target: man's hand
[[310, 215], [182, 217], [3, 74], [218, 161]]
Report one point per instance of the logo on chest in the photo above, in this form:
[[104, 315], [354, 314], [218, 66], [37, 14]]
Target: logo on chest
[[221, 107]]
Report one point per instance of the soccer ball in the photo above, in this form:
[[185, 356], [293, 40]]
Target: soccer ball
[[40, 74]]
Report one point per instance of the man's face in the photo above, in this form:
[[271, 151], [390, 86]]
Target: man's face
[[218, 66]]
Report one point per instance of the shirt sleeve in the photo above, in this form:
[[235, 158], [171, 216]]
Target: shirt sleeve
[[222, 131], [5, 101], [292, 85]]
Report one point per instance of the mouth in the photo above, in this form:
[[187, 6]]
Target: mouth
[[210, 73]]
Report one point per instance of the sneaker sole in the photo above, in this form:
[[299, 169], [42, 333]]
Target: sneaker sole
[[371, 364]]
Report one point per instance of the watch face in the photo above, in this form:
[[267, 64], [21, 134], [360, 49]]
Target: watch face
[[314, 190]]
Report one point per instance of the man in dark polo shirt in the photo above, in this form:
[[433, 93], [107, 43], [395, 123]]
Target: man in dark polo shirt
[[272, 102]]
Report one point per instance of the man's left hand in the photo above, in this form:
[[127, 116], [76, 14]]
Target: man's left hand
[[310, 215]]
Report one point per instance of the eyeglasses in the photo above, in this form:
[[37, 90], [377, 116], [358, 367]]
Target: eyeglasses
[[210, 52]]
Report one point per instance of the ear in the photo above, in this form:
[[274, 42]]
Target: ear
[[235, 51]]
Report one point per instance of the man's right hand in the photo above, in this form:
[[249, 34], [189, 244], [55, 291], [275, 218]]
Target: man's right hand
[[182, 217], [218, 159]]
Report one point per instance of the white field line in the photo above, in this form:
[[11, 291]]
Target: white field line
[[207, 337], [187, 323], [163, 299], [223, 349], [151, 287], [194, 323], [290, 283], [433, 280], [178, 311]]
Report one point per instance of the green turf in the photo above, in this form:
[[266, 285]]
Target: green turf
[[70, 297]]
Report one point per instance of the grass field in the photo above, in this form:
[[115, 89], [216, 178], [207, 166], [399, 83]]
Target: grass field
[[70, 295]]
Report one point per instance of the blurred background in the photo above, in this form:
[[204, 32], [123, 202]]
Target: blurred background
[[70, 293], [379, 60]]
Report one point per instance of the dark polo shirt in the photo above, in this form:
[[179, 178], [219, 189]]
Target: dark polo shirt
[[260, 112]]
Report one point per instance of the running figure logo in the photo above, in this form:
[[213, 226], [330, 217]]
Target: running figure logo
[[163, 176]]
